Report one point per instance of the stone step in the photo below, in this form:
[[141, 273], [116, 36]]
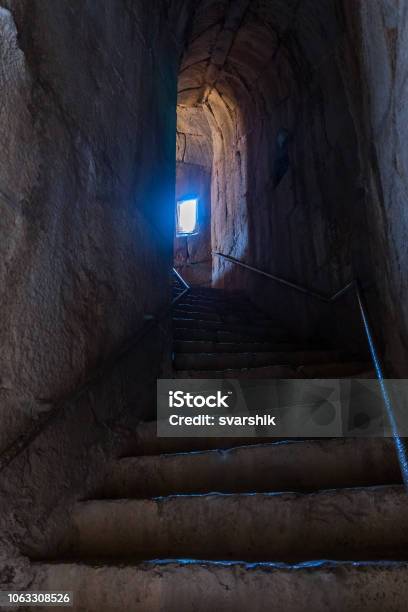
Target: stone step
[[190, 314], [215, 335], [219, 361], [213, 292], [225, 314], [186, 585], [145, 442], [254, 330], [210, 298], [200, 346], [276, 371], [342, 524], [303, 465], [355, 369], [225, 317], [193, 303], [352, 369], [220, 307]]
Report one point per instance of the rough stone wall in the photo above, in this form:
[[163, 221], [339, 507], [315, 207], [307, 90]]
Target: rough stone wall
[[88, 96], [87, 125], [296, 159], [286, 181], [377, 67], [306, 102], [326, 79]]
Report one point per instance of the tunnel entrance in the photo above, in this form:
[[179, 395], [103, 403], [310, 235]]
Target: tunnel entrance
[[267, 143]]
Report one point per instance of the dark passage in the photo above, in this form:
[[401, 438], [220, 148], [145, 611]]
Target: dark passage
[[184, 187]]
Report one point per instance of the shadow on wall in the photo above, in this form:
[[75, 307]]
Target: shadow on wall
[[305, 318]]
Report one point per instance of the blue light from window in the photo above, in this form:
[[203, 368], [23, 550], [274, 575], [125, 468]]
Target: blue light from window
[[187, 216]]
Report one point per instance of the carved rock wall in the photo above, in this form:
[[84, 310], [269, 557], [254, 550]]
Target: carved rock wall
[[378, 88], [87, 125], [286, 175], [88, 95]]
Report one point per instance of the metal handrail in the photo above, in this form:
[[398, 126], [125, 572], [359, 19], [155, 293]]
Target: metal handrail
[[353, 284], [181, 279], [287, 283], [151, 321]]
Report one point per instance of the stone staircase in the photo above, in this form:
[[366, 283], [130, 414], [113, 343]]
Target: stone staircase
[[239, 525], [219, 334]]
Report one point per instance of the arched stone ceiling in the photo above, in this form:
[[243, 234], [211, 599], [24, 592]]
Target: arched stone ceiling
[[233, 43], [194, 138]]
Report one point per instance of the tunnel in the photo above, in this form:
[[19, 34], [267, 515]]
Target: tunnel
[[204, 197], [264, 116]]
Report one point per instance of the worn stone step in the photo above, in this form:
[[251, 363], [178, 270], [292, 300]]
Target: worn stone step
[[220, 335], [352, 369], [199, 307], [355, 369], [255, 329], [145, 441], [199, 346], [223, 316], [215, 306], [218, 361], [276, 371], [220, 307], [214, 292], [343, 524], [186, 585], [217, 298], [190, 314], [290, 465]]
